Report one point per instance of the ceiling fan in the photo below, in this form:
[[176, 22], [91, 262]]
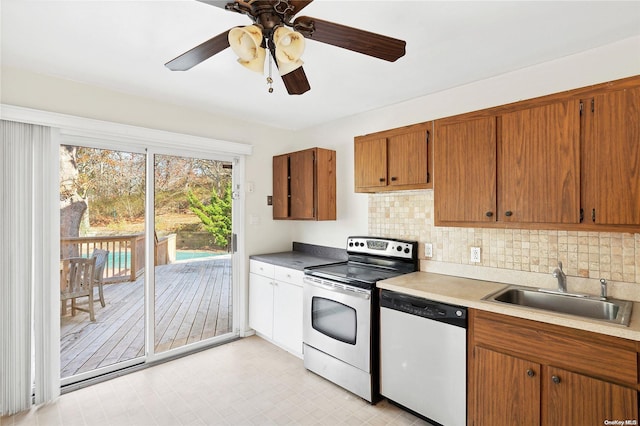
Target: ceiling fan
[[274, 30]]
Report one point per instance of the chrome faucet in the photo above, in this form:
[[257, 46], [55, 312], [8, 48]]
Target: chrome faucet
[[603, 289], [561, 277]]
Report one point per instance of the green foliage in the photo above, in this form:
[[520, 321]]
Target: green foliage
[[215, 216]]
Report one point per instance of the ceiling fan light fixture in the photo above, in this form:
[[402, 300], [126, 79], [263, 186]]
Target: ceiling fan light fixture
[[246, 44], [289, 46]]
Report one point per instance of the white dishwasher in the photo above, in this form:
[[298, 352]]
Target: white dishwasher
[[423, 357]]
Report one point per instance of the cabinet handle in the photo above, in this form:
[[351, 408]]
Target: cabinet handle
[[508, 213], [488, 214], [382, 179], [393, 178], [555, 379], [531, 373]]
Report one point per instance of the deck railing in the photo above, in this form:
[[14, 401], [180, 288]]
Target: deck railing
[[126, 254]]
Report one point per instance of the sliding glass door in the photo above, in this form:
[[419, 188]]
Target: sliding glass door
[[102, 211], [193, 251], [163, 281]]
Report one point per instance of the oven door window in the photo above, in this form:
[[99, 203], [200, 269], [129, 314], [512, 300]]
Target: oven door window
[[334, 319]]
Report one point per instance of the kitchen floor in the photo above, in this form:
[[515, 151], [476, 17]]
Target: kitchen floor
[[246, 382]]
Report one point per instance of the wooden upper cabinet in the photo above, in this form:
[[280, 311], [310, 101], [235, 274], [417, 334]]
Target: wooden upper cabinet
[[370, 162], [539, 164], [408, 159], [611, 158], [466, 155], [302, 173], [304, 185], [280, 197], [393, 160]]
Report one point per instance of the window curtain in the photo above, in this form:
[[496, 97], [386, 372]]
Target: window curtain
[[29, 267]]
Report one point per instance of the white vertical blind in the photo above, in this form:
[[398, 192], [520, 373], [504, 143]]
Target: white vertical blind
[[28, 271]]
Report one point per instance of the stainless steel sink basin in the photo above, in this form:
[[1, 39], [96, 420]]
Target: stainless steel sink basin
[[609, 310]]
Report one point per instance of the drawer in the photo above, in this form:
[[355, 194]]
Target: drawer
[[261, 268], [287, 275], [604, 357]]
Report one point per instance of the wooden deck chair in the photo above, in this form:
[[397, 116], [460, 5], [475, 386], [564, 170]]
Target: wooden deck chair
[[98, 274], [77, 281]]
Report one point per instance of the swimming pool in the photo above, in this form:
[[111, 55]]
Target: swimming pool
[[123, 259]]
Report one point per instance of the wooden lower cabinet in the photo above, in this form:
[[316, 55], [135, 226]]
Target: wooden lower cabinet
[[575, 399], [515, 379], [504, 393]]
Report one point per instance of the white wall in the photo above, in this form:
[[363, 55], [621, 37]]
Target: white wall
[[611, 62]]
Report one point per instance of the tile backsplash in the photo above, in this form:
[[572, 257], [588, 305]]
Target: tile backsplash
[[409, 214]]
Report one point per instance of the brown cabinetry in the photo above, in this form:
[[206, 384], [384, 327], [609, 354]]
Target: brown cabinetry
[[466, 188], [539, 164], [393, 160], [529, 373], [304, 185], [566, 161], [611, 158], [522, 166]]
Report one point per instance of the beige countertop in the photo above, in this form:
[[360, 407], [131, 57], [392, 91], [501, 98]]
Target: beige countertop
[[469, 293]]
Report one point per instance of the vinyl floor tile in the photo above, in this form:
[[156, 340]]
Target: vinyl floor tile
[[245, 382]]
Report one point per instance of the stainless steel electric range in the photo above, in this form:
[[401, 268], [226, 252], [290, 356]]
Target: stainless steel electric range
[[341, 315]]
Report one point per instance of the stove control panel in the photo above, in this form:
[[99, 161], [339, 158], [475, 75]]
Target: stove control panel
[[382, 247]]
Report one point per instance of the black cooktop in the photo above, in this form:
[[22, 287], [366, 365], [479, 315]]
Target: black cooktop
[[371, 259], [352, 273]]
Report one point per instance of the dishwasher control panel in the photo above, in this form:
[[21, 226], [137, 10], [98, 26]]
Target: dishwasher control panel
[[437, 311]]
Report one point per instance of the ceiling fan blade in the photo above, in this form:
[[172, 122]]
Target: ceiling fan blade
[[365, 42], [296, 82], [199, 53]]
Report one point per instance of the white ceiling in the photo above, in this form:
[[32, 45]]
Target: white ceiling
[[123, 45]]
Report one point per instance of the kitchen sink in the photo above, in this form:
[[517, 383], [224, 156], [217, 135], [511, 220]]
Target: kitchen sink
[[609, 310]]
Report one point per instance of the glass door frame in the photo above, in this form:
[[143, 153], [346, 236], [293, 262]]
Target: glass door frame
[[237, 272]]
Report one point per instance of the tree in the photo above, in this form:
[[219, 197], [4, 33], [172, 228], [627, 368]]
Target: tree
[[73, 205], [215, 216]]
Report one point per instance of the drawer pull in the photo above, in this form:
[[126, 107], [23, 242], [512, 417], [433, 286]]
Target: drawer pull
[[555, 379], [531, 373]]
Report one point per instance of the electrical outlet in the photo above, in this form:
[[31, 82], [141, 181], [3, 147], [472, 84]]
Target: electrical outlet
[[428, 250], [475, 254]]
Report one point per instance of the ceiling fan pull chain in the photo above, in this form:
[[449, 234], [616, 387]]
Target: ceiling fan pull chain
[[269, 79]]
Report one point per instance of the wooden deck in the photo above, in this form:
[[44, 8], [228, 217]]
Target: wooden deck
[[193, 302]]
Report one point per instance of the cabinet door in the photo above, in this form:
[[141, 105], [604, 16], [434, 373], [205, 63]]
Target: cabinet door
[[280, 187], [539, 164], [466, 156], [574, 399], [408, 159], [506, 390], [370, 162], [302, 172], [287, 316], [611, 158], [261, 304]]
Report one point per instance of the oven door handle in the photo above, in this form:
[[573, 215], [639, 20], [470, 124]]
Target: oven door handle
[[363, 294]]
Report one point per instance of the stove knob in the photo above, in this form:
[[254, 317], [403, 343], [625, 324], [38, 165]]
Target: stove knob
[[406, 250], [459, 313], [399, 248]]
